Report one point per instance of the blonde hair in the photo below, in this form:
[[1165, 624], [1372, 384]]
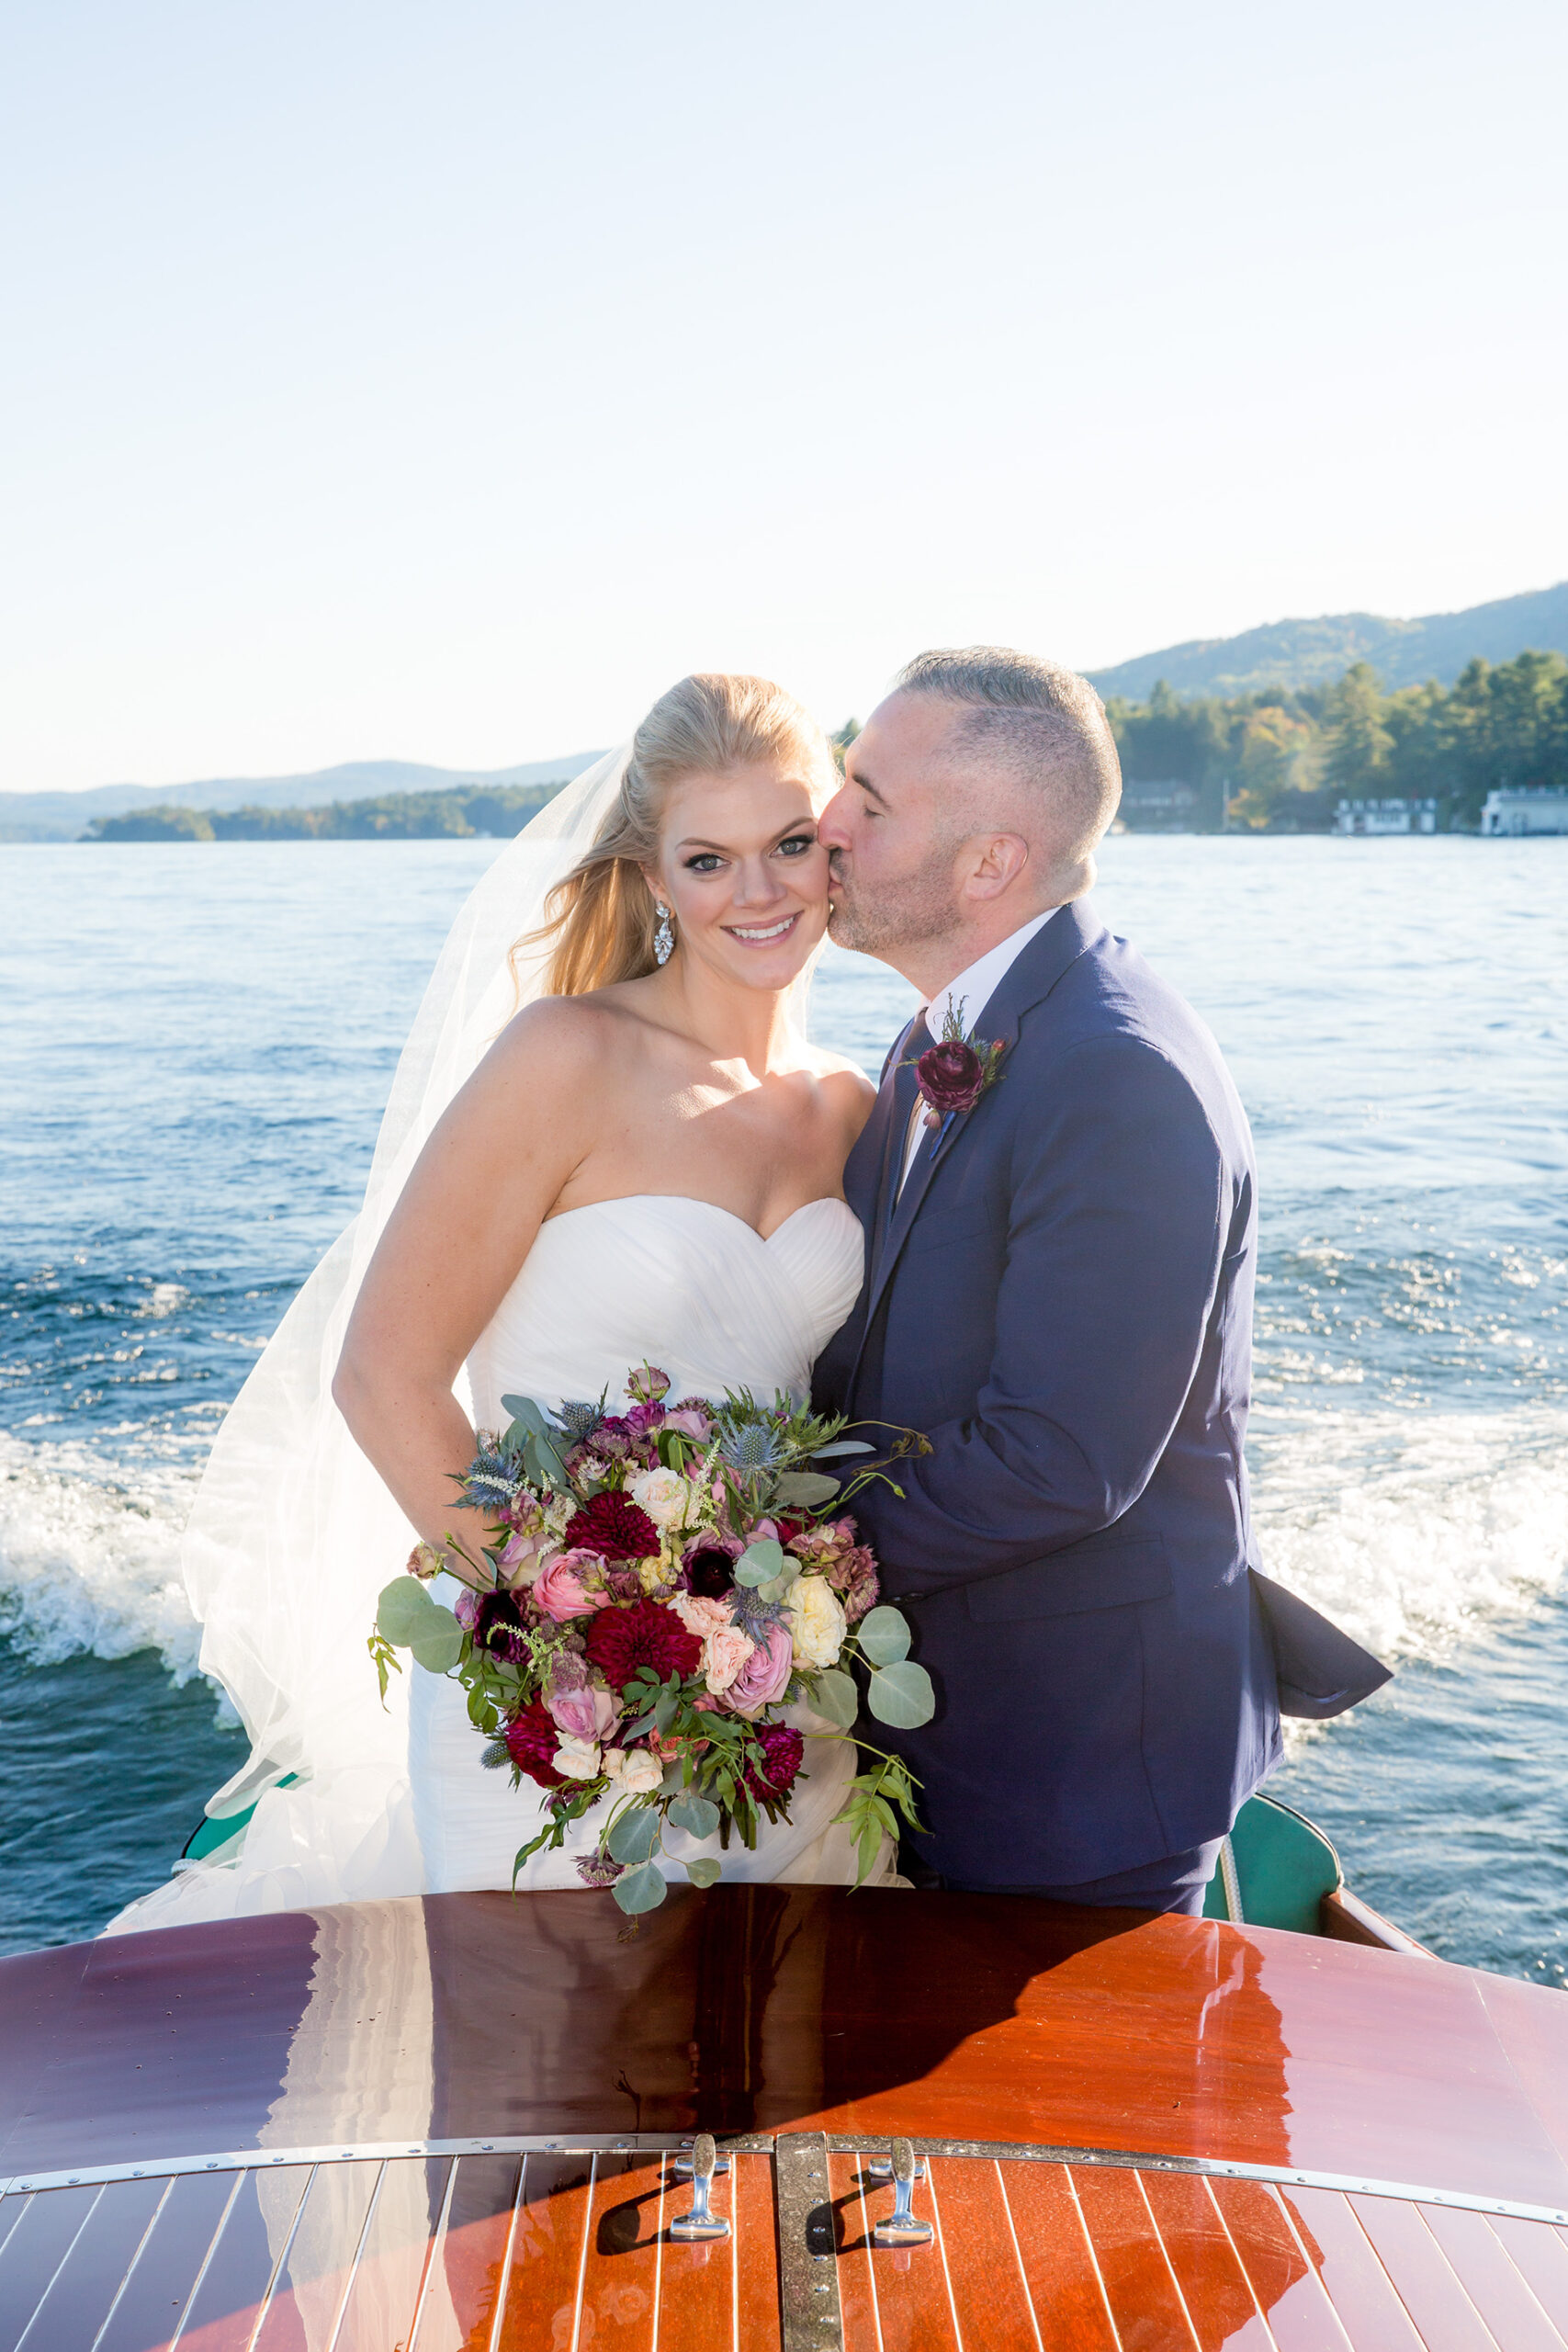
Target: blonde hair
[[603, 916]]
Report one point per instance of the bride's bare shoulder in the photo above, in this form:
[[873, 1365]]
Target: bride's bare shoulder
[[564, 1034]]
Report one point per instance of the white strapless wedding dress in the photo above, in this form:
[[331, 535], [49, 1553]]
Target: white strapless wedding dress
[[653, 1278]]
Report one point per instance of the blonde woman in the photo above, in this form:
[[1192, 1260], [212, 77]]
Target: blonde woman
[[644, 1164]]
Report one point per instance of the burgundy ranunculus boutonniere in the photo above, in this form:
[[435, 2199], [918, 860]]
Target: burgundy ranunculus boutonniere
[[952, 1075]]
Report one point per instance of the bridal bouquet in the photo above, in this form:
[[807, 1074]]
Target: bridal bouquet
[[658, 1587]]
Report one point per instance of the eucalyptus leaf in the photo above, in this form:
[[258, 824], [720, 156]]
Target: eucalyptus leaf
[[642, 1889], [809, 1487], [704, 1870], [401, 1611], [836, 1697], [527, 1410], [437, 1646], [778, 1587], [759, 1562], [698, 1817], [840, 1445], [544, 1462], [883, 1636], [901, 1695], [634, 1835]]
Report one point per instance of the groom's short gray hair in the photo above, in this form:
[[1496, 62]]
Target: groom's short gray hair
[[1040, 721]]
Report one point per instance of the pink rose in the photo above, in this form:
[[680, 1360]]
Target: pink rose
[[691, 1421], [584, 1714], [698, 1615], [724, 1655], [562, 1590], [766, 1675]]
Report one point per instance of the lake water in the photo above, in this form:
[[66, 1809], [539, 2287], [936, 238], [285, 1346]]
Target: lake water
[[195, 1050]]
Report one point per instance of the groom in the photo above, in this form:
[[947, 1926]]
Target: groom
[[1059, 1294]]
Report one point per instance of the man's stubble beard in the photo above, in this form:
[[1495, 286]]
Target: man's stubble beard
[[916, 911]]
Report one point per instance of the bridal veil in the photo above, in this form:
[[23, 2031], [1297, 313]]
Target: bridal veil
[[293, 1535]]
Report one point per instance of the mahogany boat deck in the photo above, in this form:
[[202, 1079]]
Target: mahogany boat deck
[[456, 2122]]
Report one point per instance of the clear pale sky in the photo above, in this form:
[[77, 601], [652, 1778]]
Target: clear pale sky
[[440, 381]]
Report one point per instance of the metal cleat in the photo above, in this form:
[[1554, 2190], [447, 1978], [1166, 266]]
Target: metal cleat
[[701, 2226], [903, 2227]]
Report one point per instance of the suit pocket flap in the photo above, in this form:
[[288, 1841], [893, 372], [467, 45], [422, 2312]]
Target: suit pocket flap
[[1097, 1575]]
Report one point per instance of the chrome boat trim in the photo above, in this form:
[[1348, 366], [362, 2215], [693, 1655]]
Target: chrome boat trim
[[333, 2152], [782, 2147], [1349, 2184]]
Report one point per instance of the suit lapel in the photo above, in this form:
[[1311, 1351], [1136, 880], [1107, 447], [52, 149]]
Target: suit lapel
[[1054, 949]]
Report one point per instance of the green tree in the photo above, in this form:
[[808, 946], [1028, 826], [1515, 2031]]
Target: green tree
[[1356, 742]]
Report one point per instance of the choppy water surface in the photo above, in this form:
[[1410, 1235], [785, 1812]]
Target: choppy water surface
[[196, 1047]]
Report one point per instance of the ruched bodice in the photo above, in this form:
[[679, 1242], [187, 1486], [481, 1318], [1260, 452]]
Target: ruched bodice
[[659, 1278]]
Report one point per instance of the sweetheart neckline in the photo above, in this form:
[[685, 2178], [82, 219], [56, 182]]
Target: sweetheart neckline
[[617, 1200]]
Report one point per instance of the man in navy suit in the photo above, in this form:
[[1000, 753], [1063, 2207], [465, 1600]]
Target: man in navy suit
[[1059, 1295]]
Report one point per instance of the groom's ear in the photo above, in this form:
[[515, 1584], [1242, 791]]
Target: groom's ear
[[993, 862]]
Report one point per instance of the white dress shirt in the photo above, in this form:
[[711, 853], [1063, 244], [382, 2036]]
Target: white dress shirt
[[967, 998]]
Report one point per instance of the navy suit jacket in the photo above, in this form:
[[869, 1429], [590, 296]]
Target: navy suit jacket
[[1061, 1300]]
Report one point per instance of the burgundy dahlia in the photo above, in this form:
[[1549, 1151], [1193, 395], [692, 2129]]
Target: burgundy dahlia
[[783, 1750], [614, 1528], [952, 1076], [619, 1641], [532, 1739]]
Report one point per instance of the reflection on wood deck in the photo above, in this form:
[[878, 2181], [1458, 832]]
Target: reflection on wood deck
[[567, 2250]]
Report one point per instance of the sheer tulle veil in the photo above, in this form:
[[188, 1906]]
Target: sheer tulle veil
[[292, 1534]]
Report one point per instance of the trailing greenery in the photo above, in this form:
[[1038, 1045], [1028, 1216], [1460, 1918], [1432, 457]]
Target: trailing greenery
[[462, 811], [1279, 760]]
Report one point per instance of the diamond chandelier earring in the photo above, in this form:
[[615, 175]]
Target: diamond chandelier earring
[[664, 936]]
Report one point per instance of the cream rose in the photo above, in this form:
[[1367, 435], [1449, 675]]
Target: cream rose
[[640, 1773], [578, 1759], [664, 1495], [816, 1622]]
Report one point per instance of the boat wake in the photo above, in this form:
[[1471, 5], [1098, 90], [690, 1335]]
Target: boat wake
[[89, 1556], [1413, 1529]]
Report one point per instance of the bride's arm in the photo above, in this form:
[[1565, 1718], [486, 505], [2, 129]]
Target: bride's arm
[[466, 1220]]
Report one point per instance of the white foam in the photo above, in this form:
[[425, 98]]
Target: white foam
[[1412, 1528], [89, 1556]]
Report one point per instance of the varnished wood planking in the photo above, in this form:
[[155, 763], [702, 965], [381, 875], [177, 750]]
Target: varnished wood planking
[[1541, 2256], [1301, 2317], [227, 2305], [315, 2274], [622, 2255], [1059, 2266], [697, 2301], [39, 2242], [544, 2248], [384, 2293], [82, 2292], [1492, 2281], [908, 2284], [1447, 2319], [1359, 2287], [171, 2255], [989, 2293], [1220, 2305], [847, 2183], [757, 2275], [1145, 2303]]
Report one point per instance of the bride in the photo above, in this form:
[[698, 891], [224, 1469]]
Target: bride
[[642, 1163]]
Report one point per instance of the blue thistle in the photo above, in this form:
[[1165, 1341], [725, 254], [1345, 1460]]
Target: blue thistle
[[488, 1482], [579, 1420]]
